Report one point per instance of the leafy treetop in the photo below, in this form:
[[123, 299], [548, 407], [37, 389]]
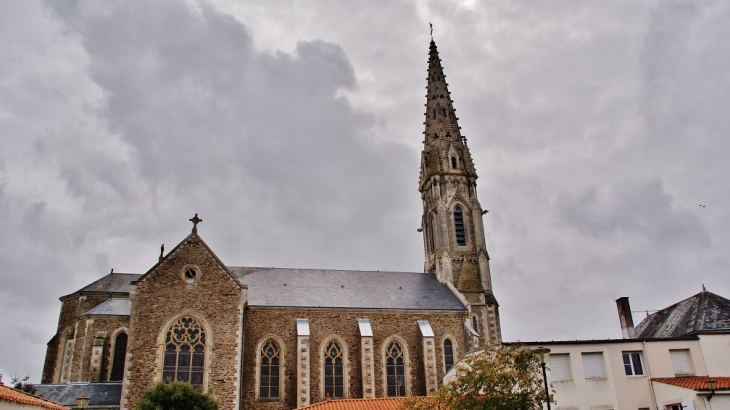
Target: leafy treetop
[[504, 377]]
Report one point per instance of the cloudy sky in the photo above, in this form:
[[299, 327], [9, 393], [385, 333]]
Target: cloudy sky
[[294, 129]]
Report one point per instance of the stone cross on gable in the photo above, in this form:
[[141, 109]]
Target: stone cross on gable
[[195, 220]]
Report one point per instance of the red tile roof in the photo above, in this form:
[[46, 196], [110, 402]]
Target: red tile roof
[[20, 397], [391, 403], [696, 382]]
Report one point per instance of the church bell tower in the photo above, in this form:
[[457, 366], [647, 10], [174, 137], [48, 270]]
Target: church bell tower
[[453, 231]]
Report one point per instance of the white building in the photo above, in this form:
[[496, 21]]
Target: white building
[[664, 363]]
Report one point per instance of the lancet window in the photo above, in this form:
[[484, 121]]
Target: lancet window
[[395, 370], [269, 376], [119, 357], [185, 352], [334, 371], [448, 354]]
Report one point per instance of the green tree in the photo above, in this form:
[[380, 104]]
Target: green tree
[[504, 377], [22, 384], [175, 396]]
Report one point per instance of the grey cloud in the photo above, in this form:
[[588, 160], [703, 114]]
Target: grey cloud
[[634, 209]]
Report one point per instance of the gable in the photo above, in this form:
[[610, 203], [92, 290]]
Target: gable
[[191, 253]]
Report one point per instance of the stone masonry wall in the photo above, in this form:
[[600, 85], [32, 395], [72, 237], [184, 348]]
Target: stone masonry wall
[[213, 298], [71, 309], [261, 323]]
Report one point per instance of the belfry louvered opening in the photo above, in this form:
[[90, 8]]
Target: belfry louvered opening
[[459, 226]]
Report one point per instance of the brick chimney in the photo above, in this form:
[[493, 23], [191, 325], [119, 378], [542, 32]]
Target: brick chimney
[[624, 315]]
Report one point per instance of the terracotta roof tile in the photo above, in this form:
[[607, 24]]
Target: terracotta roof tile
[[17, 396], [391, 403], [696, 383]]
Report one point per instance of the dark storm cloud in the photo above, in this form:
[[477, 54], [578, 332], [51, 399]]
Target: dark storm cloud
[[293, 128], [181, 114], [632, 209]]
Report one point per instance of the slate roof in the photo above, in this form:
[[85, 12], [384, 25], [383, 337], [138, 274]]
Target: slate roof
[[303, 288], [391, 403], [703, 312], [112, 307], [101, 394], [111, 283], [696, 382], [9, 394]]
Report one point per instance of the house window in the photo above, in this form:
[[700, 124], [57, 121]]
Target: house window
[[395, 370], [119, 357], [269, 370], [593, 365], [559, 365], [333, 371], [632, 364], [681, 362], [448, 354], [459, 226], [184, 352]]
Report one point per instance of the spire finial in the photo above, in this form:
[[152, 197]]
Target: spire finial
[[162, 250], [195, 220], [703, 288], [431, 25]]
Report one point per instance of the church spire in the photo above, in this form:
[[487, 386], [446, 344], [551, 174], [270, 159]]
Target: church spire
[[452, 226], [443, 139]]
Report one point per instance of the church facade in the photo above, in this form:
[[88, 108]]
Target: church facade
[[272, 338]]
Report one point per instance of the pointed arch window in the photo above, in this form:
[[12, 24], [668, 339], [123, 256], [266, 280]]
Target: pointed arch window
[[185, 352], [119, 357], [459, 226], [453, 162], [269, 375], [395, 370], [448, 354], [334, 371]]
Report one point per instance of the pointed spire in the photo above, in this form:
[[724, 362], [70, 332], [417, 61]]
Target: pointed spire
[[442, 133]]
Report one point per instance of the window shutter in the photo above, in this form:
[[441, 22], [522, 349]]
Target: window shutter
[[681, 362], [559, 365], [593, 365]]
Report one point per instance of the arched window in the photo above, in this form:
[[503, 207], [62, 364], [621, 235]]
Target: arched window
[[453, 162], [333, 371], [185, 352], [448, 354], [395, 370], [119, 357], [459, 226], [269, 370]]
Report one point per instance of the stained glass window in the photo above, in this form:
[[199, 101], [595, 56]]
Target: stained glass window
[[448, 354], [333, 371], [185, 352], [395, 370], [269, 375]]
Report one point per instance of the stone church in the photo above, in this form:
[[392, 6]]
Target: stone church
[[271, 338]]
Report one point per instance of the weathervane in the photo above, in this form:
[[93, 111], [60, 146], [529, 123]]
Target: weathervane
[[195, 220]]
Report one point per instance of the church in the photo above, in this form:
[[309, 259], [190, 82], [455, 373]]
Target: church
[[274, 338]]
